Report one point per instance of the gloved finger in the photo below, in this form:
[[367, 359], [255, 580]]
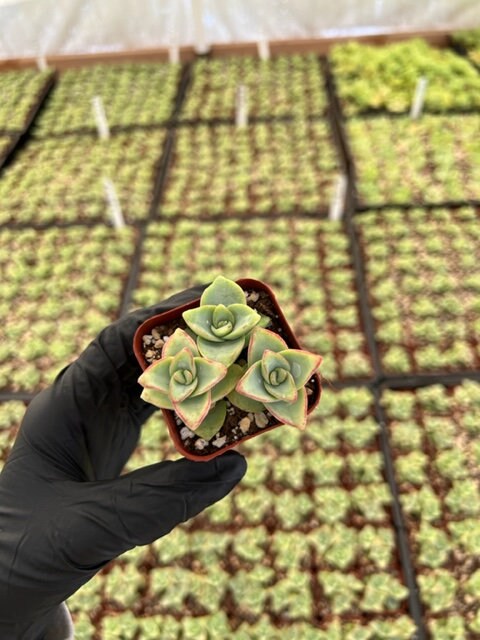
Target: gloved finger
[[99, 390], [106, 519], [86, 431]]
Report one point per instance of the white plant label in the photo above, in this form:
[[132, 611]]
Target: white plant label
[[174, 55], [337, 205], [419, 98], [42, 64], [263, 49], [241, 107], [201, 45], [100, 118], [115, 209]]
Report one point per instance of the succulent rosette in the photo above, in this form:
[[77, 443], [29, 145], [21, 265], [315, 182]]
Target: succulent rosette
[[185, 382], [223, 321], [276, 377]]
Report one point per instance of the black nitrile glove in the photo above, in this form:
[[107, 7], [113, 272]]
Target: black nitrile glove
[[64, 512]]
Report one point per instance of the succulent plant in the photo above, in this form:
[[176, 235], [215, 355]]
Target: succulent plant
[[378, 544], [401, 628], [438, 589], [412, 467], [371, 500], [434, 546], [292, 510], [250, 543], [463, 497], [125, 624], [291, 595], [383, 592], [380, 79], [423, 504], [187, 383], [290, 549], [248, 588], [429, 169], [333, 503], [451, 628], [276, 377], [342, 546], [252, 504], [223, 321], [340, 589], [466, 533]]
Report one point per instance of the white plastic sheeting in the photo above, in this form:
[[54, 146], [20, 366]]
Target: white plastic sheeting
[[35, 28]]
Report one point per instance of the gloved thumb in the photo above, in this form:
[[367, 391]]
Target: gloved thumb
[[105, 519]]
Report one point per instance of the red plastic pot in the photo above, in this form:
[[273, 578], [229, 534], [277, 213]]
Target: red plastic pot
[[173, 314]]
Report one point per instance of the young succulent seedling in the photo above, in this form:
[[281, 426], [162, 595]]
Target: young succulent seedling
[[223, 321], [276, 377]]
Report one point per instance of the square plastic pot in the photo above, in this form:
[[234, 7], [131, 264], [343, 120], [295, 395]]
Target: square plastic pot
[[176, 313]]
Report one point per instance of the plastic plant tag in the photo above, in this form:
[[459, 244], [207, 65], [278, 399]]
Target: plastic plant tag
[[201, 46], [263, 49], [174, 55], [100, 118], [42, 64], [337, 205], [419, 98], [241, 107], [115, 210]]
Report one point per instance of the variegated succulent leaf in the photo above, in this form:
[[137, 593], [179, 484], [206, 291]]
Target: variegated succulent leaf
[[213, 421], [294, 413], [179, 340], [194, 409], [262, 339], [157, 398], [228, 383]]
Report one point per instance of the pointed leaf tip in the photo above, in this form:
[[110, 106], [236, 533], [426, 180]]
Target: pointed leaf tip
[[157, 375], [176, 342], [262, 339], [303, 365], [194, 409], [223, 291], [293, 413]]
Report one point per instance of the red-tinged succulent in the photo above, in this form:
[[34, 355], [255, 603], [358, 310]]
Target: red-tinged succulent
[[184, 381], [276, 377]]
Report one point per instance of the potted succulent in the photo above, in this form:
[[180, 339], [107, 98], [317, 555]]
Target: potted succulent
[[226, 368]]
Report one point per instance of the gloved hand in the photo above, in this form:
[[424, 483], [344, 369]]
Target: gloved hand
[[64, 510]]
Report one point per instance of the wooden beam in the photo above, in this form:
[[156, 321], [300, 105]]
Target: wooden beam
[[277, 47]]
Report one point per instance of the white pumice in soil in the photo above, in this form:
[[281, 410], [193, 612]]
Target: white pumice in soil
[[219, 442], [244, 424], [185, 433], [261, 420]]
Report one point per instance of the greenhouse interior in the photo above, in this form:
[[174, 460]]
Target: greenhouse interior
[[331, 152]]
